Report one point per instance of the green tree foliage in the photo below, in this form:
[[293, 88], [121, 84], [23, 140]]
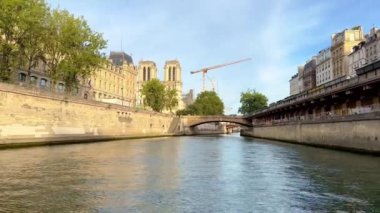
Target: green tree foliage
[[72, 49], [10, 13], [171, 99], [31, 33], [206, 103], [153, 94], [252, 101]]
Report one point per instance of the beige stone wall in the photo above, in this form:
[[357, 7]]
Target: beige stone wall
[[362, 135], [32, 114]]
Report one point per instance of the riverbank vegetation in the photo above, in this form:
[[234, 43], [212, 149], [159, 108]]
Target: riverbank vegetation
[[33, 36], [206, 103], [157, 97], [252, 101]]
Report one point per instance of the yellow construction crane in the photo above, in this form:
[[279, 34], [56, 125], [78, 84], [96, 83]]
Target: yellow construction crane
[[206, 69]]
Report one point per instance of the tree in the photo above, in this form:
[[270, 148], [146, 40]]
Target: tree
[[206, 103], [32, 28], [153, 93], [171, 99], [252, 101], [10, 11], [72, 49]]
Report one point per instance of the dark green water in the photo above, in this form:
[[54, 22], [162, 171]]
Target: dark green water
[[187, 174]]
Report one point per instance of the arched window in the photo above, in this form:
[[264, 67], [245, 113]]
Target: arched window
[[173, 77], [43, 82], [33, 80], [170, 73], [144, 74], [61, 87], [22, 77]]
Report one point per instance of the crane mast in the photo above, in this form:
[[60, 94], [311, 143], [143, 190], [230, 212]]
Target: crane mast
[[206, 69]]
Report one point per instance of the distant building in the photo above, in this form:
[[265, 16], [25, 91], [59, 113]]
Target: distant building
[[341, 46], [309, 75], [172, 79], [188, 98], [115, 82], [147, 70], [357, 58], [372, 46], [300, 80], [366, 52], [324, 69], [294, 85]]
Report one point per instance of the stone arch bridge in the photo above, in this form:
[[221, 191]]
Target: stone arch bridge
[[190, 122]]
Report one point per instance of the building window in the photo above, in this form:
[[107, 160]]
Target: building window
[[148, 73], [144, 74], [170, 73], [43, 82], [33, 80], [61, 87], [22, 77], [173, 74]]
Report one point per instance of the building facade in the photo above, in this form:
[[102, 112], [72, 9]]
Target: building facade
[[357, 58], [308, 77], [173, 79], [300, 80], [342, 44], [115, 82], [324, 68], [146, 71], [294, 85], [372, 46]]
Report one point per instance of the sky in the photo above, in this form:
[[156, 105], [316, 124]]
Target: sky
[[278, 35]]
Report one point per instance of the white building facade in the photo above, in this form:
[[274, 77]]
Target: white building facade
[[324, 67]]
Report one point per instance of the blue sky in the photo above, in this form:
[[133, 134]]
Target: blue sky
[[278, 35]]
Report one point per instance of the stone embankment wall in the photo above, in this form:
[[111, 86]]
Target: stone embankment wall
[[30, 116], [355, 134]]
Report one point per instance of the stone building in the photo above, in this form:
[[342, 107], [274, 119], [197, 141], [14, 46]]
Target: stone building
[[366, 52], [341, 46], [309, 75], [115, 82], [356, 59], [372, 46], [324, 68], [146, 71], [172, 79], [300, 80], [294, 87], [188, 98]]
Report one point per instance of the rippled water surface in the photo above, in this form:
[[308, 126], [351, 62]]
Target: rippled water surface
[[187, 174]]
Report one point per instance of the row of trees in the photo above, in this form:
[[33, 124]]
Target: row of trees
[[31, 33], [209, 103], [206, 103], [157, 97]]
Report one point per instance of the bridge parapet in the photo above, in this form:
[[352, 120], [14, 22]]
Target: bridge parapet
[[191, 121]]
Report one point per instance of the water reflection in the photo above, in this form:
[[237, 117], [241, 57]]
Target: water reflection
[[191, 174]]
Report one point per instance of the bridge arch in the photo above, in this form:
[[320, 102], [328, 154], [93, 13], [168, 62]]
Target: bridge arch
[[192, 121]]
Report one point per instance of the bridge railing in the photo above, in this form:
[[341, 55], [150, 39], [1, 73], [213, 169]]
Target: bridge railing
[[368, 111]]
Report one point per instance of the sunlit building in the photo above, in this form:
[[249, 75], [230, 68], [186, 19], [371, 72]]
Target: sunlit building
[[115, 82], [172, 79], [342, 45], [324, 68], [147, 70]]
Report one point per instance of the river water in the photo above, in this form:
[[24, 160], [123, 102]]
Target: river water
[[187, 174]]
